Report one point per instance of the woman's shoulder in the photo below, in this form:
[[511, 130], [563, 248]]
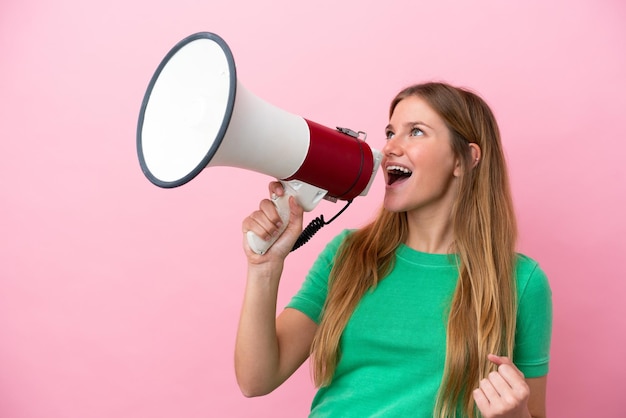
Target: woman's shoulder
[[341, 236], [334, 244], [525, 263], [530, 276], [326, 257]]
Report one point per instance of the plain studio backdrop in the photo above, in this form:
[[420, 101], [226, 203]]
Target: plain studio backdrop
[[121, 299]]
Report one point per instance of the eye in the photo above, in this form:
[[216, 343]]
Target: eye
[[416, 132], [389, 134]]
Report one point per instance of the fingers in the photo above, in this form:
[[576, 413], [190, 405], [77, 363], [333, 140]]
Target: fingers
[[482, 402], [278, 221], [276, 188], [264, 222], [506, 368], [502, 391], [500, 360]]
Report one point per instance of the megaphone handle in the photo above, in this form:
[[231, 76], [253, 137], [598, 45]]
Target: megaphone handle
[[260, 246]]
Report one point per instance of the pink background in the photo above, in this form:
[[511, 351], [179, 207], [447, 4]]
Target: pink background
[[120, 299]]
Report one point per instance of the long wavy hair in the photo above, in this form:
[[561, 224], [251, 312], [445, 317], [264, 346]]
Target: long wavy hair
[[483, 309]]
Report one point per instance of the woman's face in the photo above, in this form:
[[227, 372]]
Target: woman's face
[[418, 164]]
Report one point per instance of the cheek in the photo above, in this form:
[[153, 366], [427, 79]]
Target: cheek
[[437, 162]]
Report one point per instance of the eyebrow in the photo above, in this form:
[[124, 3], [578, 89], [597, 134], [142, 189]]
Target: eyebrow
[[410, 125]]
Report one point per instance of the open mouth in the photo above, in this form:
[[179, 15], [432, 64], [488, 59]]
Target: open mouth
[[396, 173]]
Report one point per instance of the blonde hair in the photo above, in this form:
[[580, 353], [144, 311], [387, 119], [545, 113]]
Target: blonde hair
[[483, 308]]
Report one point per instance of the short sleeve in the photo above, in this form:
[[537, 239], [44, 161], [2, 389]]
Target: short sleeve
[[534, 320], [311, 297]]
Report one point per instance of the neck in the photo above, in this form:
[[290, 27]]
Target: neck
[[430, 234]]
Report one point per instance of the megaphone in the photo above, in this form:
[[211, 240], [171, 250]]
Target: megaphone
[[196, 114]]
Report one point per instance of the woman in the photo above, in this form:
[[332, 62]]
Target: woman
[[427, 311]]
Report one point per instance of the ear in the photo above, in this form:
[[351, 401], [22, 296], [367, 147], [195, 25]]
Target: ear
[[475, 154]]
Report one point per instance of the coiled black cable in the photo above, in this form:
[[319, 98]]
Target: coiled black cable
[[314, 226]]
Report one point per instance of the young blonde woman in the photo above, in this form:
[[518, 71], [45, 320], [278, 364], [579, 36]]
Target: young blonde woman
[[426, 312]]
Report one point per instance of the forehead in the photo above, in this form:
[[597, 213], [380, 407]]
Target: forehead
[[415, 109]]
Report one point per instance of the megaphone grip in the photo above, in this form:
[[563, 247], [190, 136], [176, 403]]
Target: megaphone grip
[[260, 246]]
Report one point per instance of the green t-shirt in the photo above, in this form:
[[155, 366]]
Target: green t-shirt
[[393, 347]]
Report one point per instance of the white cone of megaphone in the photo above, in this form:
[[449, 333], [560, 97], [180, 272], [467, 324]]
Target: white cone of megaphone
[[196, 114]]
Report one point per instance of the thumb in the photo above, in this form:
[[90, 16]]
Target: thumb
[[296, 213], [293, 228], [499, 360]]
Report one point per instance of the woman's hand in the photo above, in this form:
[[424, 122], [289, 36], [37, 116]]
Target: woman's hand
[[504, 393], [266, 223]]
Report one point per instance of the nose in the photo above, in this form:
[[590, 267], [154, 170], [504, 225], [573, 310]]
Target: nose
[[392, 147]]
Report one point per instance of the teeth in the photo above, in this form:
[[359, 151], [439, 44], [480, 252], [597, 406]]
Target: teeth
[[395, 173], [398, 168]]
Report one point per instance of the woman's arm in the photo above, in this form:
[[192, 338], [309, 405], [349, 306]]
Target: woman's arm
[[537, 398], [269, 349]]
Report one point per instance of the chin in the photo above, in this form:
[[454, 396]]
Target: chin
[[393, 207]]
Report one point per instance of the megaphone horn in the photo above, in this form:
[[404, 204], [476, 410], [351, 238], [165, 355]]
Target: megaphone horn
[[196, 114]]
